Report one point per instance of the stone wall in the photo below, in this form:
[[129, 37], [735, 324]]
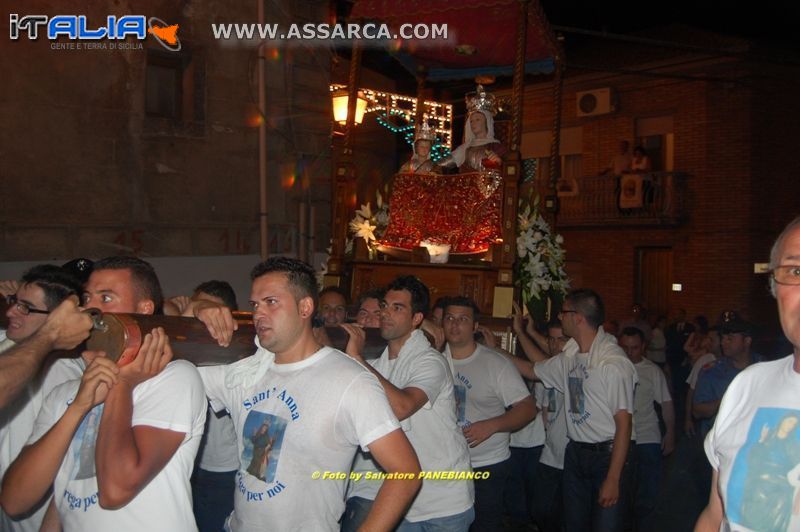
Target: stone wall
[[86, 171]]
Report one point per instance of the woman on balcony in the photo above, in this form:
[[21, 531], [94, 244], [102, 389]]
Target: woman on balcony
[[641, 162]]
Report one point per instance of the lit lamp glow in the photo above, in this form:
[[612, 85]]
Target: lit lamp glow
[[340, 107]]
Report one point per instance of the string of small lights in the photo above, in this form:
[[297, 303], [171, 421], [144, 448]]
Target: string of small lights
[[396, 112]]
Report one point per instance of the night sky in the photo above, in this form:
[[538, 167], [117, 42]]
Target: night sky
[[770, 20]]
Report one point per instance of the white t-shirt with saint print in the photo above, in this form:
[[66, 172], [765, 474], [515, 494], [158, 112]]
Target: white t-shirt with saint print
[[172, 400], [555, 444], [532, 434], [298, 430], [489, 384], [432, 431], [755, 447], [596, 385]]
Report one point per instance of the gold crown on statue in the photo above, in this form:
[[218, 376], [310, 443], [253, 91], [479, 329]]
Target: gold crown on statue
[[425, 132], [480, 100]]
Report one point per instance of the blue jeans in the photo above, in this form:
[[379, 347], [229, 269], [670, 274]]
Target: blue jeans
[[212, 497], [355, 513], [357, 509], [547, 504], [584, 473], [451, 523], [489, 497], [648, 482], [520, 485]]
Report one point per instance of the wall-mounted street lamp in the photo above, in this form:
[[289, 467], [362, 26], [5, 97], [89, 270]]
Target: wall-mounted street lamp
[[340, 106]]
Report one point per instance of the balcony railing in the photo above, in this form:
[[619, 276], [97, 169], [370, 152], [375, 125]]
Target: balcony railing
[[597, 202]]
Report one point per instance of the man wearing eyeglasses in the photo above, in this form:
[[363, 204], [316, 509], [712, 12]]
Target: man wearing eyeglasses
[[754, 446], [40, 291], [598, 382], [492, 400]]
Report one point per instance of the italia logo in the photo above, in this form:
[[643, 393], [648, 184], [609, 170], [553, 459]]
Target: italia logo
[[76, 27]]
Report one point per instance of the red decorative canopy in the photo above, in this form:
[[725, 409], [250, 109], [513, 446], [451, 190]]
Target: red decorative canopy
[[481, 35]]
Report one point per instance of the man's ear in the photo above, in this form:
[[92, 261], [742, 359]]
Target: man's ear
[[145, 306], [417, 318], [305, 307]]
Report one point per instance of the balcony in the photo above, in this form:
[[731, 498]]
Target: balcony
[[595, 202]]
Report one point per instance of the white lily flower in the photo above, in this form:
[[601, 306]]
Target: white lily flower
[[363, 229], [365, 211]]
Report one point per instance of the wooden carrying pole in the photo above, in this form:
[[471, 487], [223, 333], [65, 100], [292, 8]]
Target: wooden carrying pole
[[120, 336]]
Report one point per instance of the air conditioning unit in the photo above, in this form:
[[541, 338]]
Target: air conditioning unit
[[595, 102]]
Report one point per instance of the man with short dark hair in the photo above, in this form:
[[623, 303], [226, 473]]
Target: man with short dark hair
[[492, 400], [214, 476], [368, 308], [134, 278], [301, 411], [419, 384], [650, 445], [332, 306], [40, 291], [598, 382], [221, 291], [546, 506], [736, 339], [66, 326], [754, 447]]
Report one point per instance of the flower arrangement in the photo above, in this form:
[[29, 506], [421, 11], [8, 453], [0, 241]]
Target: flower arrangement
[[540, 265], [371, 225]]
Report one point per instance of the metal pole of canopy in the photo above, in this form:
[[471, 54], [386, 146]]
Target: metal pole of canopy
[[512, 166], [420, 114], [262, 144], [344, 178]]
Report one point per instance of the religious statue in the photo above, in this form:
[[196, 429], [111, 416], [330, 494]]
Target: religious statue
[[420, 162], [480, 150]]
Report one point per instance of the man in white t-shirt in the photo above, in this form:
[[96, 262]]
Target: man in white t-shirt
[[598, 382], [492, 400], [118, 442], [65, 327], [650, 445], [214, 475], [546, 505], [41, 289], [301, 411], [754, 446], [419, 384]]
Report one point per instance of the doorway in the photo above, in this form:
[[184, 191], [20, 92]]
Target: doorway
[[654, 279]]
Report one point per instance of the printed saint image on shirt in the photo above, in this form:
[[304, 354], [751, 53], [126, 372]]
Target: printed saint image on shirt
[[551, 400], [81, 449], [576, 396], [460, 393], [262, 436], [765, 479]]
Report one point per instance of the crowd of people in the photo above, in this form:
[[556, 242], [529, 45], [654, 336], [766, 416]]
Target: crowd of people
[[442, 431]]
